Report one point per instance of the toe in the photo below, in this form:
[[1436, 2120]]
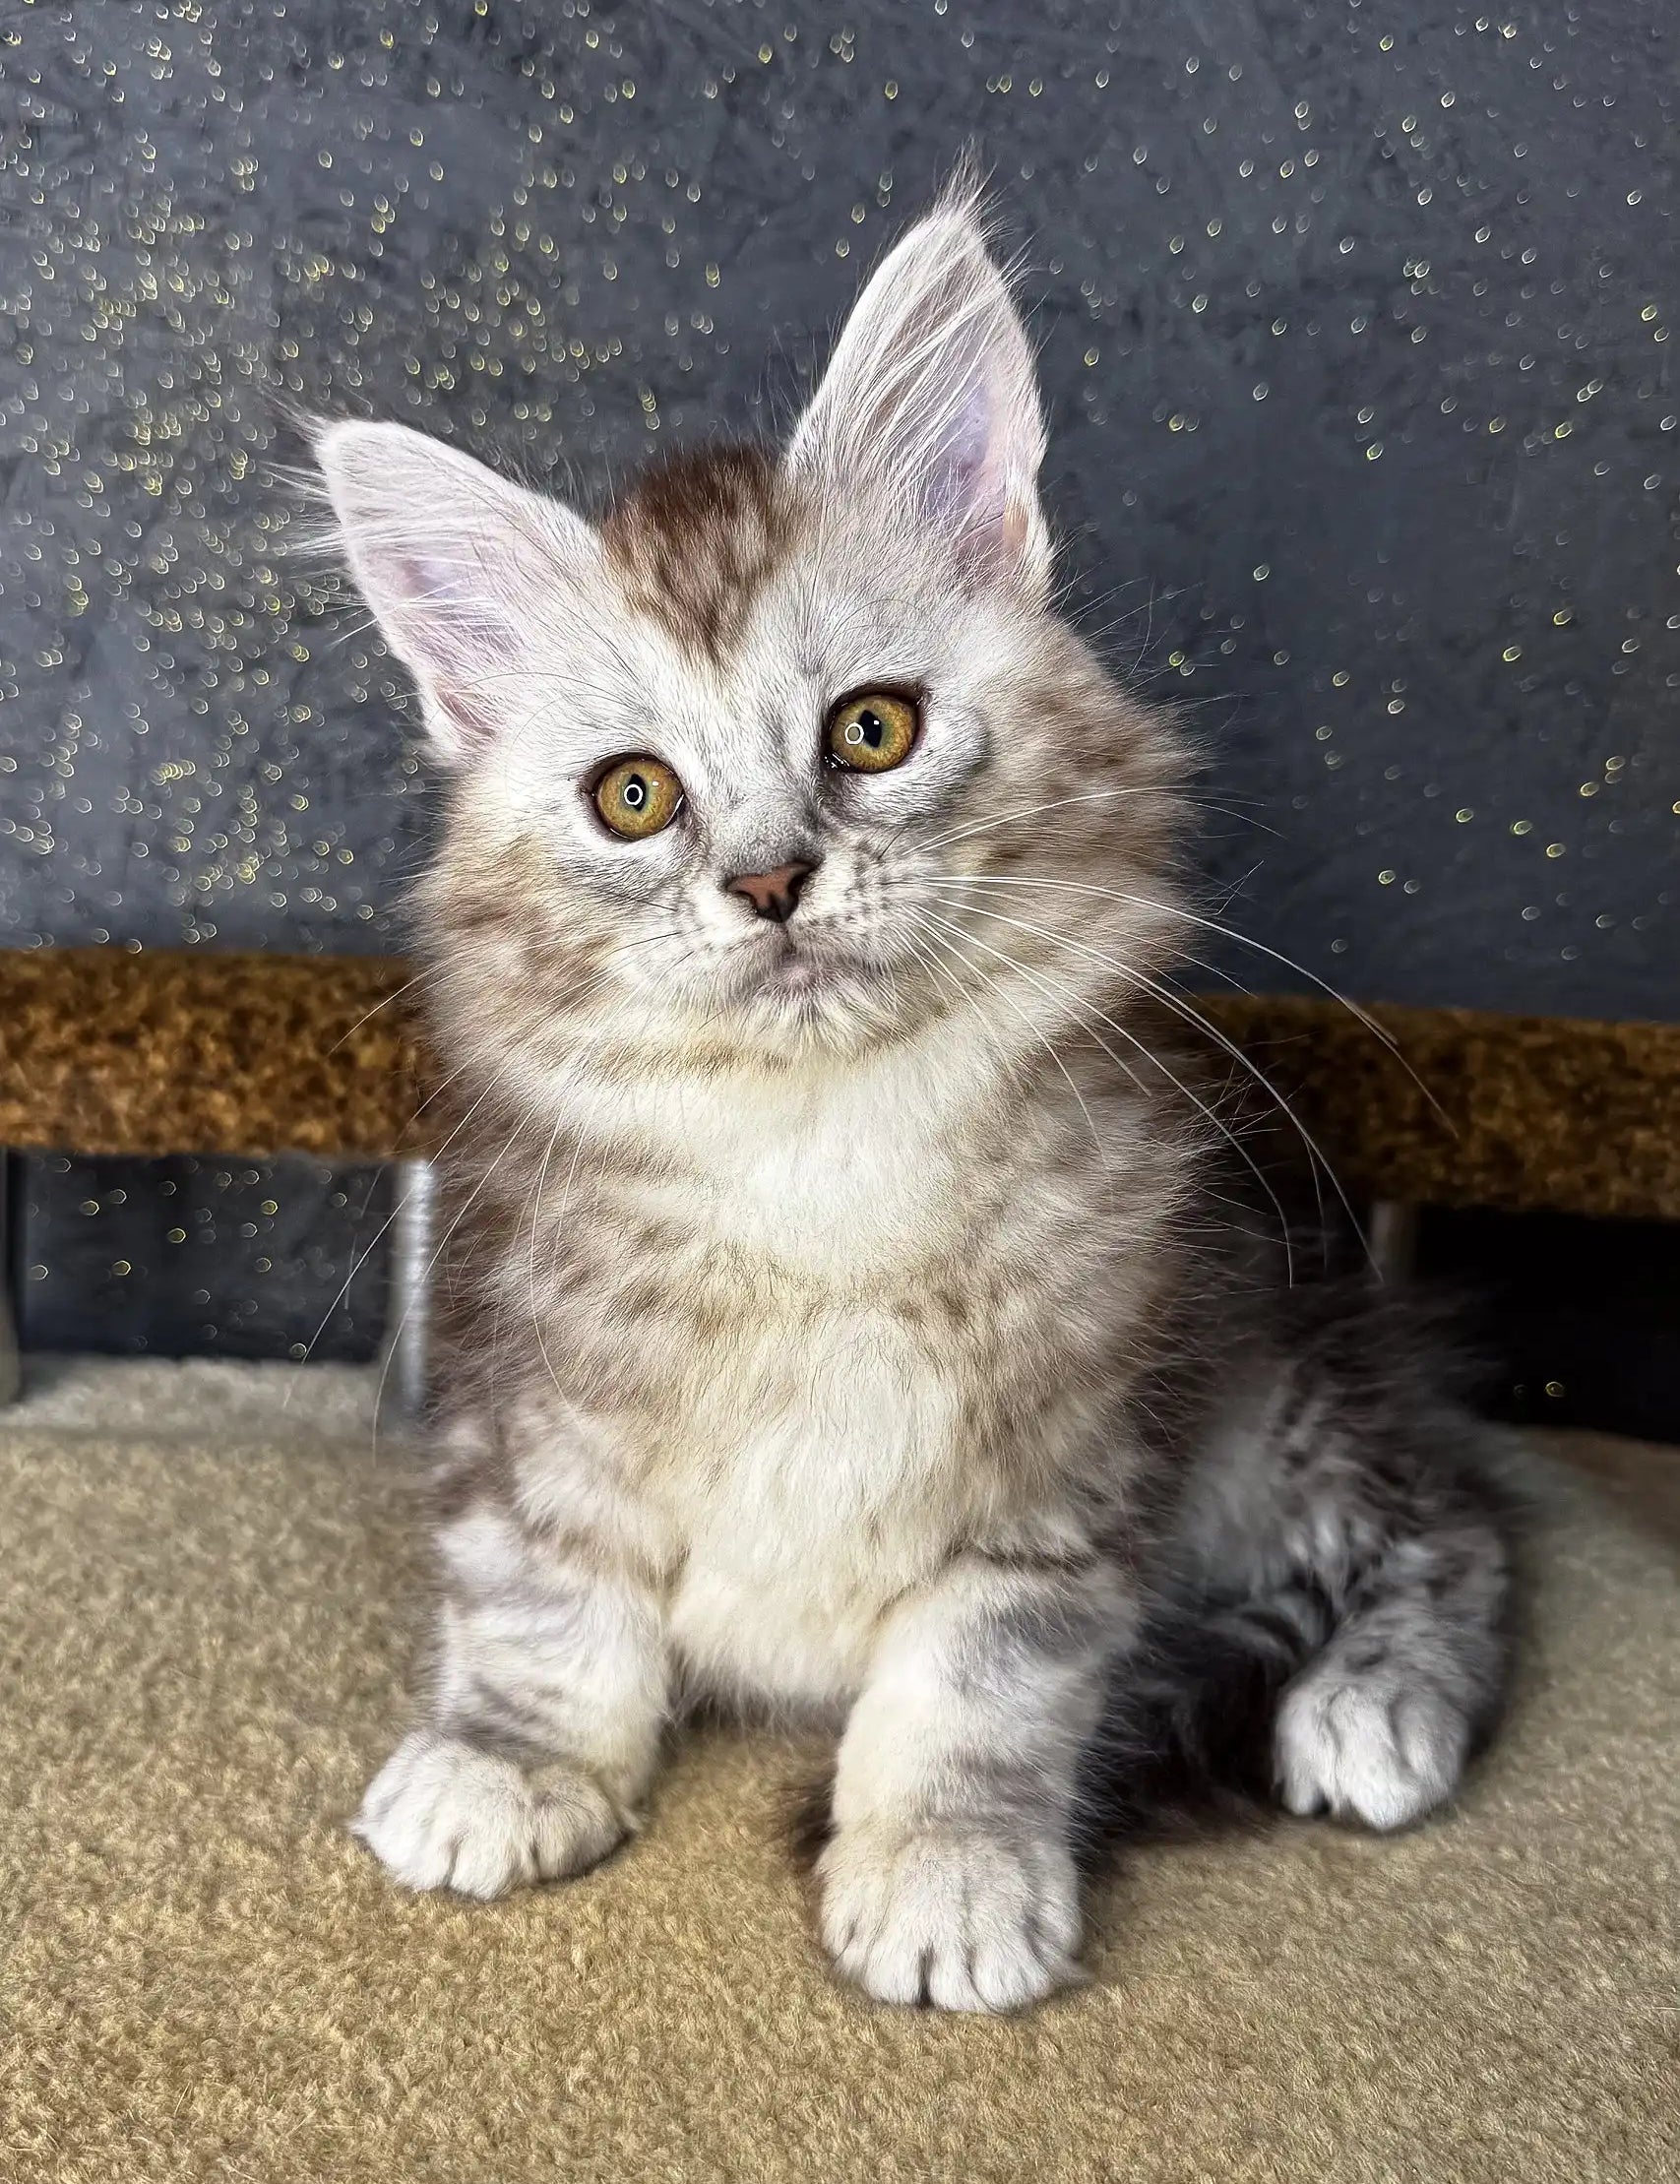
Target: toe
[[957, 1917]]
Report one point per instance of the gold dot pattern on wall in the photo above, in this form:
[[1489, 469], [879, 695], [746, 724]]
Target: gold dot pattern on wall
[[1355, 341], [202, 1256]]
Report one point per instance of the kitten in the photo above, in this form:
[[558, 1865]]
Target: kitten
[[851, 1330]]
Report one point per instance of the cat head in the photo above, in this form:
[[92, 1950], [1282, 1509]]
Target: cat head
[[789, 751]]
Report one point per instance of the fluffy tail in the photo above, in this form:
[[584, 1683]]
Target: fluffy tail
[[1334, 1633], [1190, 1730]]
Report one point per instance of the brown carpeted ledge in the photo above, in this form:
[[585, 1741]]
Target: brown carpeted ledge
[[185, 1052], [102, 1051]]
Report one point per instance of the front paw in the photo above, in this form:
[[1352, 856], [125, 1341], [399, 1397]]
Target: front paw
[[963, 1915], [441, 1814]]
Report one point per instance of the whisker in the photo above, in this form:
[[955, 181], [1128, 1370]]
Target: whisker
[[527, 1115], [1090, 796], [1038, 1033], [572, 994], [1183, 1010], [408, 986], [1226, 932], [1085, 1007], [559, 1221], [360, 1259], [425, 1282], [920, 943]]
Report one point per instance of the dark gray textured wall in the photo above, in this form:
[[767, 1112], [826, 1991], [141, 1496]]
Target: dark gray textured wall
[[1356, 328], [1356, 331]]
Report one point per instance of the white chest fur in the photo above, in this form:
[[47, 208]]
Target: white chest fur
[[805, 1505], [832, 1173], [819, 1445]]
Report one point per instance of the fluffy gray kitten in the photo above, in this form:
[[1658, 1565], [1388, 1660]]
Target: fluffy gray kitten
[[852, 1329]]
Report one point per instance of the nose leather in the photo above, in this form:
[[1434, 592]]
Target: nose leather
[[773, 895]]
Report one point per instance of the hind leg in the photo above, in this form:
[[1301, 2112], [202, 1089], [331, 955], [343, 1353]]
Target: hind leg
[[1376, 1726], [1348, 1536]]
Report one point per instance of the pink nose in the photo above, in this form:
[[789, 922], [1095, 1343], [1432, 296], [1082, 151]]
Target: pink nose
[[773, 894]]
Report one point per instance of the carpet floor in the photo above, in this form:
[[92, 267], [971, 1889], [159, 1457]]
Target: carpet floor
[[203, 1622]]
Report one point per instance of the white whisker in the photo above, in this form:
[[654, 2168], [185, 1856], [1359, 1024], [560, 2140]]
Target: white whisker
[[1226, 932], [1084, 1008], [1038, 1033], [1183, 1011], [1089, 796]]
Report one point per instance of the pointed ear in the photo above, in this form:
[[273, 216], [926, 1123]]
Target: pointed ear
[[931, 396], [454, 562]]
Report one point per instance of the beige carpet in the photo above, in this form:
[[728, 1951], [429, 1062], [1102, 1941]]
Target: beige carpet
[[203, 1627]]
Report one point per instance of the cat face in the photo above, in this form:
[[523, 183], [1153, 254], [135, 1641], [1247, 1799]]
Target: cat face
[[756, 758]]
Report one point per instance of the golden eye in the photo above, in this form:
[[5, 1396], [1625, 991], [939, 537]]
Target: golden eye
[[873, 732], [638, 798]]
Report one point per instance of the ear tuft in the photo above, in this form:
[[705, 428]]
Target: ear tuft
[[454, 561], [931, 399]]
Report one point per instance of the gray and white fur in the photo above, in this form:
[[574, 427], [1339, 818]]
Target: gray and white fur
[[849, 1327]]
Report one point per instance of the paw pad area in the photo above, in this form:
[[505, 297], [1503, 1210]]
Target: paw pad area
[[1367, 1750], [440, 1814], [961, 1917]]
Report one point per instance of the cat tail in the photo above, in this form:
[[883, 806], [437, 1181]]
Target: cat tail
[[1343, 1641], [1188, 1735]]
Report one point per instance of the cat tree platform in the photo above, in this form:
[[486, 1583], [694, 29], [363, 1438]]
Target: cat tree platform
[[210, 1573], [102, 1051]]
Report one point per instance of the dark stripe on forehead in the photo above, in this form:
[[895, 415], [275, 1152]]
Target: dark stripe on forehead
[[696, 537]]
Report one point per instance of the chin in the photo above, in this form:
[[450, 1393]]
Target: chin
[[801, 999]]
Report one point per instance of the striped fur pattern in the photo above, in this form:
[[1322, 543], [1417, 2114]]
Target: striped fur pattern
[[847, 1329]]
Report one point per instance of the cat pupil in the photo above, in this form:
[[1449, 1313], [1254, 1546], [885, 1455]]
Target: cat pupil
[[636, 792]]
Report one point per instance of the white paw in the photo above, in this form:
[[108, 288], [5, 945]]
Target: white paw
[[440, 1814], [1374, 1750], [964, 1917]]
